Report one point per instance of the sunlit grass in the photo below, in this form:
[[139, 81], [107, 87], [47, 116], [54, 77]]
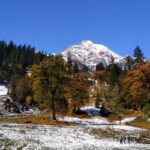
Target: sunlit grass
[[31, 119]]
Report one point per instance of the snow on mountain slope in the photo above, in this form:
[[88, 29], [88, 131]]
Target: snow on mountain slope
[[90, 54]]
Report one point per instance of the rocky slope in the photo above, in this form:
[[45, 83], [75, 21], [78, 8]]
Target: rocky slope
[[90, 54], [7, 105]]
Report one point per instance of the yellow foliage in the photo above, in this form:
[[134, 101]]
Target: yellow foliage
[[28, 100]]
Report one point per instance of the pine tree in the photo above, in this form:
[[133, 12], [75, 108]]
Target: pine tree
[[76, 68], [84, 68], [138, 55], [129, 63], [100, 66], [113, 73], [14, 60]]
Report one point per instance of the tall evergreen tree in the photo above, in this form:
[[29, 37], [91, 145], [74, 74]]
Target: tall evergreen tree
[[138, 55], [76, 68], [113, 73], [84, 68], [100, 66], [129, 63]]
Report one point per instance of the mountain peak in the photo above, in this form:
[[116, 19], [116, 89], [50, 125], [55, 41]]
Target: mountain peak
[[86, 42], [90, 54]]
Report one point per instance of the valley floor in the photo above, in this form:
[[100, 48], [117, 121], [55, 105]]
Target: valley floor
[[23, 132], [44, 137]]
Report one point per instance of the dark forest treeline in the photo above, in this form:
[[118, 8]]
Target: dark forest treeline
[[16, 59]]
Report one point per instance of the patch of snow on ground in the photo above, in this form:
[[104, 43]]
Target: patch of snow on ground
[[91, 110], [118, 127], [90, 121], [3, 90], [33, 111], [125, 120], [37, 137]]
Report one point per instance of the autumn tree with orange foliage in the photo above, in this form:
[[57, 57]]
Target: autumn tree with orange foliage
[[136, 87], [79, 89]]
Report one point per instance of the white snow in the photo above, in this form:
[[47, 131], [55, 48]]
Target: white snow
[[94, 118], [91, 110], [121, 127], [91, 54], [39, 137], [100, 122], [3, 90], [90, 107], [90, 121], [125, 120]]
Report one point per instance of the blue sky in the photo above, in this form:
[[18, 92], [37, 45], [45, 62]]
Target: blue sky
[[53, 25]]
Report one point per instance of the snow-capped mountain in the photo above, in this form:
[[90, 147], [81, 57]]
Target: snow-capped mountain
[[90, 54]]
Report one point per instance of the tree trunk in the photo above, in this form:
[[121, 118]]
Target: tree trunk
[[53, 110]]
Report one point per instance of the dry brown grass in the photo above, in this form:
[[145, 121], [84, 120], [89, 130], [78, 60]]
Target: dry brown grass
[[133, 113], [33, 120], [113, 117], [140, 124], [107, 133], [125, 113]]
